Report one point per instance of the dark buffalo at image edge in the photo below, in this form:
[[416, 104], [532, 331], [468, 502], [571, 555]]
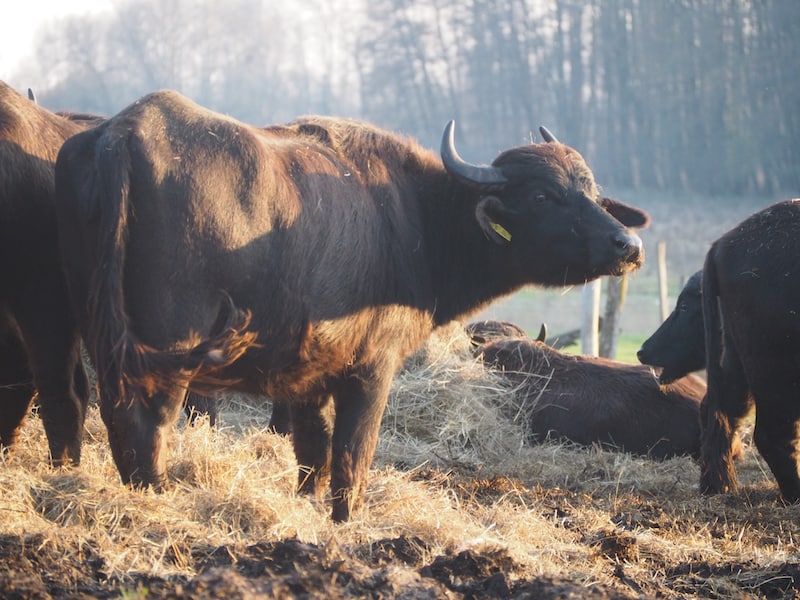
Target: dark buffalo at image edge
[[39, 340], [751, 313], [742, 311]]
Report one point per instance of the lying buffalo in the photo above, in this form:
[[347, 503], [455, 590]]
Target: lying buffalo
[[591, 400], [483, 332], [303, 262]]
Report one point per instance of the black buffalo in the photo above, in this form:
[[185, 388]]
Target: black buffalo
[[39, 341], [750, 299], [590, 400], [751, 311], [678, 346], [302, 261]]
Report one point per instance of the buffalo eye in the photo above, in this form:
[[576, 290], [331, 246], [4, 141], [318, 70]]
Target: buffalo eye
[[540, 198]]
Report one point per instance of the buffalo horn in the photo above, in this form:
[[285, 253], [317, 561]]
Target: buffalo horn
[[483, 177], [542, 337], [548, 137], [32, 96]]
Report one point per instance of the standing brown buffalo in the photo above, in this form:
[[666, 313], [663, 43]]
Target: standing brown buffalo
[[590, 400], [39, 342], [303, 262]]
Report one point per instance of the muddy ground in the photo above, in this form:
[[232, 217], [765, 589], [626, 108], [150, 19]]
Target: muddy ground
[[34, 567]]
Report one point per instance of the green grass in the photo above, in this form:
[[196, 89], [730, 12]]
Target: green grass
[[627, 346]]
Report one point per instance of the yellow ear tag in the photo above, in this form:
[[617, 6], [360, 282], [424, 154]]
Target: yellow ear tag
[[501, 231]]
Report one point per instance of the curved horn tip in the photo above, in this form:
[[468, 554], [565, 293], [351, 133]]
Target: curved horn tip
[[547, 135], [448, 136], [32, 96], [542, 337], [483, 177]]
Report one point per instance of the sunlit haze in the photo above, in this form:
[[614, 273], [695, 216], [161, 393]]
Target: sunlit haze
[[22, 20]]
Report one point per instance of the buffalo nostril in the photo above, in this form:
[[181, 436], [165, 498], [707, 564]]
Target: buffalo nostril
[[628, 244], [625, 241]]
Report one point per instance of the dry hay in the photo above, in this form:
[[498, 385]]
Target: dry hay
[[448, 408], [452, 475]]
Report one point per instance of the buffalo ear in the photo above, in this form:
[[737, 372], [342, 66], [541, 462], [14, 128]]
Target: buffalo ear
[[316, 131], [487, 212], [629, 216]]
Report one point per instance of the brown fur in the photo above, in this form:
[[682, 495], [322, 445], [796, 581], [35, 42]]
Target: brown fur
[[345, 243], [591, 400]]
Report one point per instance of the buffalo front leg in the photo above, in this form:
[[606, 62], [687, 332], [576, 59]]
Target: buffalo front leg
[[138, 431], [359, 408], [312, 423], [281, 419]]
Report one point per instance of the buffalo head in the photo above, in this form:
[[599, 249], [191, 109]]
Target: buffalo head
[[678, 345], [541, 202]]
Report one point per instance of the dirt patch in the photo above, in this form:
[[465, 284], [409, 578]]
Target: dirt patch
[[406, 566], [33, 569]]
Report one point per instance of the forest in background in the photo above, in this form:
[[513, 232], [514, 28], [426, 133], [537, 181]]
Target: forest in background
[[680, 95]]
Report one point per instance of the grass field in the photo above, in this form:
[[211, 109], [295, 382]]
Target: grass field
[[627, 346]]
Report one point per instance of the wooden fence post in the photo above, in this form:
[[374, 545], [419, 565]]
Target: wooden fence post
[[616, 290], [663, 297], [590, 343]]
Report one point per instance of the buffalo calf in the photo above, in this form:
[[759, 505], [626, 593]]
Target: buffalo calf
[[677, 347]]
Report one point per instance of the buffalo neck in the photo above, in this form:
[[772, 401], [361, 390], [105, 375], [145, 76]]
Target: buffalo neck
[[467, 270]]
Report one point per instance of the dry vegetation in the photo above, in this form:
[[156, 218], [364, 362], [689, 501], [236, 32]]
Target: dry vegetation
[[457, 506]]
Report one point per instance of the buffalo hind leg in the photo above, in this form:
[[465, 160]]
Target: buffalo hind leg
[[726, 404], [53, 350], [16, 388], [776, 437], [312, 434], [359, 409]]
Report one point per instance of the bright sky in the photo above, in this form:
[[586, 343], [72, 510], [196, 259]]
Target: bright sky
[[21, 19]]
